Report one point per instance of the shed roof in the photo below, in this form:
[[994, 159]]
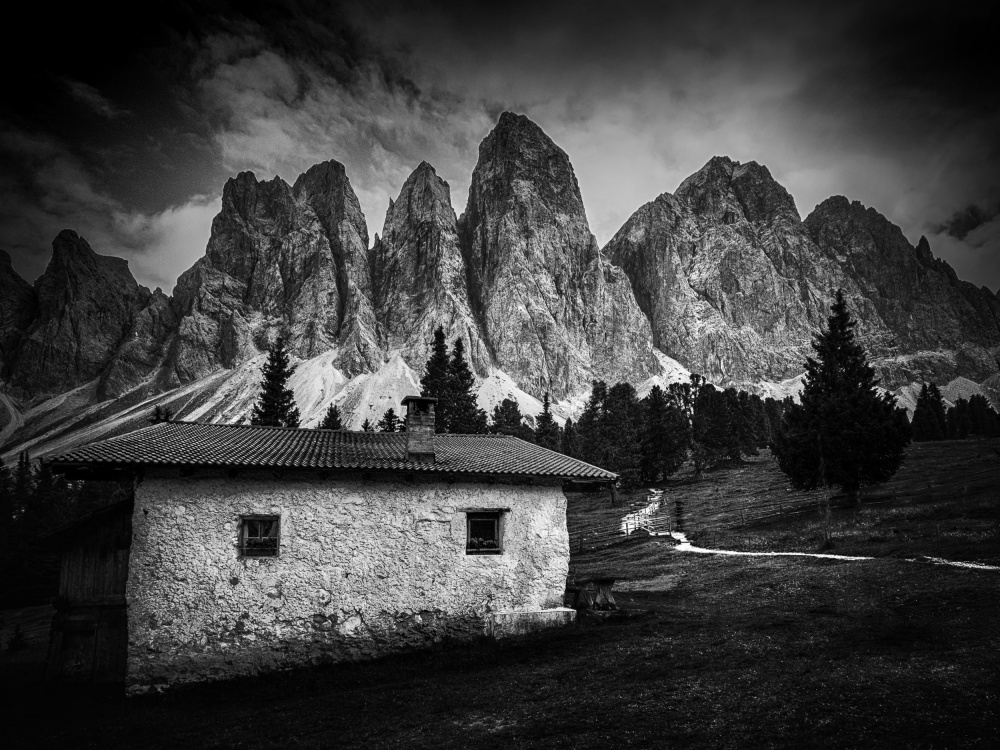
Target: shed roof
[[192, 444]]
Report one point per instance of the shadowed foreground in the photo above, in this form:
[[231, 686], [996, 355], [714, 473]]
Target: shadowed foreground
[[736, 653]]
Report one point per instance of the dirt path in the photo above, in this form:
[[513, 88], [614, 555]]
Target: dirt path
[[642, 520]]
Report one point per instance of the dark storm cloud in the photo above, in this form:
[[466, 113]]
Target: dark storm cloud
[[892, 104], [965, 221]]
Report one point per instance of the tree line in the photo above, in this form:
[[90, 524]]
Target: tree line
[[933, 420], [843, 432]]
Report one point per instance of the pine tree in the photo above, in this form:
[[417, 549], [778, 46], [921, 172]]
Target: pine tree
[[161, 414], [590, 438], [936, 403], [276, 406], [930, 421], [959, 420], [569, 440], [546, 429], [331, 420], [464, 416], [507, 417], [508, 420], [620, 431], [844, 433], [366, 426], [664, 440], [654, 434], [436, 382], [983, 419], [389, 422], [713, 438]]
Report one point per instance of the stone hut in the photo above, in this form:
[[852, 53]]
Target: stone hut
[[258, 548]]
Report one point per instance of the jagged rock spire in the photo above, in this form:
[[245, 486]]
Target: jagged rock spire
[[556, 314], [419, 276]]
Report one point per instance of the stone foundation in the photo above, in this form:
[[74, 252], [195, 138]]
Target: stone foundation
[[506, 624]]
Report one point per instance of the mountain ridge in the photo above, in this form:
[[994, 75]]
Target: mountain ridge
[[722, 277]]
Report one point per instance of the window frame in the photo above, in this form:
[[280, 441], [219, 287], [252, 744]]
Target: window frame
[[241, 546], [494, 514]]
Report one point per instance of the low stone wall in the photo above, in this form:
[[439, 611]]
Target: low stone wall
[[507, 624], [365, 568]]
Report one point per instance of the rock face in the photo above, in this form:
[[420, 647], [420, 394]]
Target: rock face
[[280, 259], [419, 277], [735, 284], [919, 298], [555, 312], [17, 309], [87, 304], [727, 273]]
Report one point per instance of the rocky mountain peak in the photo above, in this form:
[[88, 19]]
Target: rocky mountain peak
[[418, 274], [332, 197], [555, 313], [518, 157], [727, 191], [281, 260], [424, 196], [86, 305]]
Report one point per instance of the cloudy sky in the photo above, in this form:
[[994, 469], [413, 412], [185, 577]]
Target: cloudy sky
[[126, 127]]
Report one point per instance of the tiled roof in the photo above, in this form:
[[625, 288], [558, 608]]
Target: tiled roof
[[192, 444]]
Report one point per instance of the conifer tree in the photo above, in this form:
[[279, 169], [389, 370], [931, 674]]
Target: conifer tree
[[930, 420], [546, 429], [712, 435], [569, 439], [959, 420], [590, 437], [161, 414], [664, 439], [508, 420], [464, 415], [436, 381], [389, 422], [366, 426], [331, 420], [983, 419], [622, 423], [844, 433], [276, 405], [507, 417]]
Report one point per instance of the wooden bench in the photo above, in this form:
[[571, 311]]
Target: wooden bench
[[592, 592]]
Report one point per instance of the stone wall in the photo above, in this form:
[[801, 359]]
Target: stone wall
[[365, 567]]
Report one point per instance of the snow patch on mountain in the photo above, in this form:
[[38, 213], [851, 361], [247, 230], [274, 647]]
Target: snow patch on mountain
[[792, 387], [370, 395], [316, 383], [498, 385], [671, 371]]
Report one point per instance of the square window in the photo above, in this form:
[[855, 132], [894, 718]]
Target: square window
[[259, 536], [483, 533]]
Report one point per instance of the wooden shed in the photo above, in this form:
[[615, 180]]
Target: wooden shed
[[89, 638]]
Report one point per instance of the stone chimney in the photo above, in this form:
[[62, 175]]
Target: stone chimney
[[419, 428]]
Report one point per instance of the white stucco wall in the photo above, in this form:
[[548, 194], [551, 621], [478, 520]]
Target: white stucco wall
[[365, 567]]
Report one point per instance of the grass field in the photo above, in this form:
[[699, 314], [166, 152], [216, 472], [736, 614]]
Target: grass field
[[716, 652]]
